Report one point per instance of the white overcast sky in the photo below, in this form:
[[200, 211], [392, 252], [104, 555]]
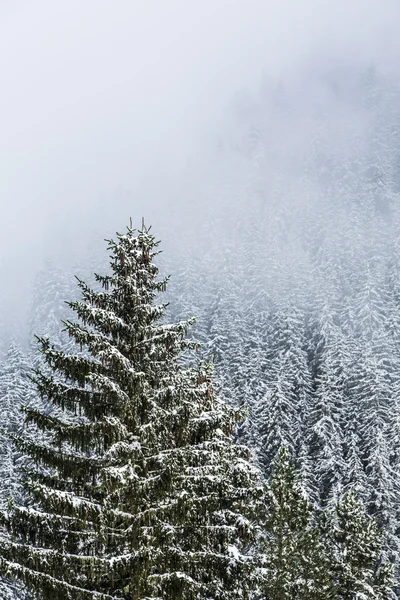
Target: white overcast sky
[[98, 96]]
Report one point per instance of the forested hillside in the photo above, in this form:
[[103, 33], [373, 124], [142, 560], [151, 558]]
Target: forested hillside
[[288, 254], [296, 283]]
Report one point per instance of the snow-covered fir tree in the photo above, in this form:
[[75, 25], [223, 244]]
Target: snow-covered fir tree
[[355, 544], [139, 490], [309, 554], [295, 559]]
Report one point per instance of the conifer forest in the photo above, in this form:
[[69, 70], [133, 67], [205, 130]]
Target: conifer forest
[[200, 328]]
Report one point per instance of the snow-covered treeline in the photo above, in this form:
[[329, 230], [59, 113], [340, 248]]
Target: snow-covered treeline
[[292, 268]]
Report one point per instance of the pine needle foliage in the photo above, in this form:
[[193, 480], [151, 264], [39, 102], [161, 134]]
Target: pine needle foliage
[[139, 492]]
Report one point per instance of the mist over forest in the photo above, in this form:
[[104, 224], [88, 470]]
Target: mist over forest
[[261, 143]]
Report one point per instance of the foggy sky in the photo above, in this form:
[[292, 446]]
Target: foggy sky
[[103, 101]]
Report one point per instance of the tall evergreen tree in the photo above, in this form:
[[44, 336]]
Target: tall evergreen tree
[[139, 491]]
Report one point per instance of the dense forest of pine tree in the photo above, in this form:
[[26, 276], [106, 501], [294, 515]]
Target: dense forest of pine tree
[[141, 475]]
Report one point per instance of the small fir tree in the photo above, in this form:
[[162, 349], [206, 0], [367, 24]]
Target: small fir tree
[[355, 545], [295, 560]]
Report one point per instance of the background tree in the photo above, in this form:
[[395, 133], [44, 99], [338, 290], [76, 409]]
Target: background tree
[[295, 561], [15, 390], [355, 543]]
